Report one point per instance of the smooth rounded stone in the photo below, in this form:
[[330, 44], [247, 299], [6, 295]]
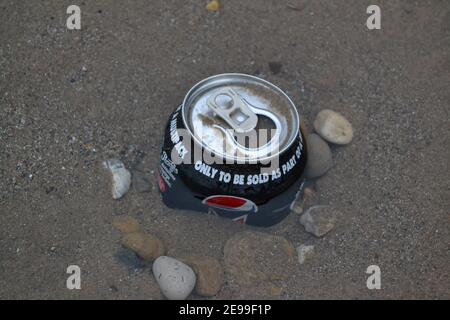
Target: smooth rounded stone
[[146, 246], [319, 157], [276, 291], [120, 176], [209, 274], [175, 279], [126, 224], [213, 5], [304, 252], [252, 257], [319, 220], [140, 182], [333, 127]]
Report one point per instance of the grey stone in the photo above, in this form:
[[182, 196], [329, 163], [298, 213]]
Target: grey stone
[[319, 157], [120, 177], [304, 252], [319, 220]]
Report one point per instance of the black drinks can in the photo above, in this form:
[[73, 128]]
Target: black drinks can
[[234, 148]]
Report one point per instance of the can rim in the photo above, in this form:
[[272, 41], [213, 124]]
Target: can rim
[[251, 77]]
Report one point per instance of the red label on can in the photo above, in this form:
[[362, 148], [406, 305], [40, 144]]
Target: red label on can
[[162, 185], [230, 203]]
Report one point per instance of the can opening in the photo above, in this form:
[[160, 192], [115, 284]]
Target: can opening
[[227, 104], [263, 133], [240, 117]]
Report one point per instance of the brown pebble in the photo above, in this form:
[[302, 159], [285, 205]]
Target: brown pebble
[[146, 246], [275, 291], [213, 5], [126, 224], [254, 257], [209, 274]]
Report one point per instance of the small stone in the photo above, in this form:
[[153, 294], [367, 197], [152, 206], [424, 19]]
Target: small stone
[[252, 257], [121, 178], [333, 127], [319, 220], [209, 274], [304, 252], [276, 291], [146, 246], [309, 197], [175, 279], [140, 182], [297, 207], [319, 157], [213, 6], [126, 224]]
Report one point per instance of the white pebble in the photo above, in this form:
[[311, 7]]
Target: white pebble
[[304, 252], [121, 177], [175, 279], [333, 127]]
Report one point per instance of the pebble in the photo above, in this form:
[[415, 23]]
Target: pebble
[[140, 182], [319, 220], [209, 274], [175, 279], [319, 157], [304, 252], [213, 5], [121, 177], [333, 127], [251, 257], [146, 246], [297, 206], [126, 224], [275, 291]]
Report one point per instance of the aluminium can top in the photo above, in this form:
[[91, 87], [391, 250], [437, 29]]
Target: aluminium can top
[[240, 117]]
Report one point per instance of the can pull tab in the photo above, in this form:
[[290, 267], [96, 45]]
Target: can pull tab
[[228, 105]]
